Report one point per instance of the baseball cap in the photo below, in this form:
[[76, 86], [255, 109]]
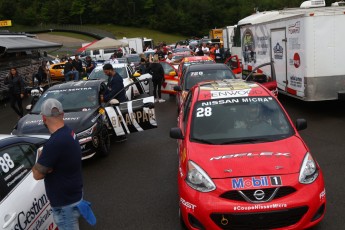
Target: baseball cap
[[51, 108]]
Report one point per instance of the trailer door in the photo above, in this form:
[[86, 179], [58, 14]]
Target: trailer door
[[278, 55]]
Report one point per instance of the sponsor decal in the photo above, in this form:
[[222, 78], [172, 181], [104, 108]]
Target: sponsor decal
[[251, 155], [138, 116], [29, 218], [278, 51], [41, 121], [296, 60], [256, 182], [230, 93], [295, 28], [187, 204], [323, 194], [259, 207], [295, 81]]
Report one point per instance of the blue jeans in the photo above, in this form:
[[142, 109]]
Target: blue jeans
[[66, 217], [68, 75]]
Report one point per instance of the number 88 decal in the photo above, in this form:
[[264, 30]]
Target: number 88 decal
[[6, 163], [204, 112]]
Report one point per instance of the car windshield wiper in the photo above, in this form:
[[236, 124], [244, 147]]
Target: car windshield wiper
[[247, 140], [203, 141]]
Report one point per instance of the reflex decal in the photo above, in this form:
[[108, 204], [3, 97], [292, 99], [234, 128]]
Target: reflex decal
[[253, 154]]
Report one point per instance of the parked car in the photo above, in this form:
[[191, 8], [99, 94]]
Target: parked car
[[23, 201], [57, 71], [92, 120], [242, 163], [194, 74], [129, 76], [187, 61]]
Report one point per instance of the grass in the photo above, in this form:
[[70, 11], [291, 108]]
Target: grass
[[118, 31], [132, 32]]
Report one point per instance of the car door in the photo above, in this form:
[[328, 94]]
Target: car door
[[132, 116], [171, 78], [24, 203], [235, 65]]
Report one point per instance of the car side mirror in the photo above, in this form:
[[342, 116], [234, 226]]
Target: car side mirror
[[172, 73], [28, 107], [136, 74], [176, 133], [177, 88], [301, 124], [114, 102]]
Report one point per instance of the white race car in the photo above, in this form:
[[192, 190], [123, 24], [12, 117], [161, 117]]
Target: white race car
[[23, 201]]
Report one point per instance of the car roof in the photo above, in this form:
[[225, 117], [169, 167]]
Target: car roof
[[76, 84], [207, 66], [229, 88], [7, 139], [196, 58]]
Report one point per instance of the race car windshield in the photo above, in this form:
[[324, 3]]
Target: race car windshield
[[72, 99], [99, 74], [239, 120], [195, 77]]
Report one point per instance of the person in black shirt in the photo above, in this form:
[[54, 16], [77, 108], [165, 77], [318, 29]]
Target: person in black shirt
[[157, 72], [70, 70], [78, 65], [90, 65], [16, 91]]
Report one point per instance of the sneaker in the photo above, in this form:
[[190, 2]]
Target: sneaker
[[161, 100], [156, 100]]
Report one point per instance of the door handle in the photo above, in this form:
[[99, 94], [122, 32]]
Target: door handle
[[7, 223]]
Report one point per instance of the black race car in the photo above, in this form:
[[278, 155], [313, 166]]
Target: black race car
[[93, 121]]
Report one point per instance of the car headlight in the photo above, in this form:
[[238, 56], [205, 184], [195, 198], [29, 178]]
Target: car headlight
[[88, 132], [309, 170], [198, 179]]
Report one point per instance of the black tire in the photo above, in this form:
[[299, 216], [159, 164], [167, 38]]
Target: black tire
[[104, 142]]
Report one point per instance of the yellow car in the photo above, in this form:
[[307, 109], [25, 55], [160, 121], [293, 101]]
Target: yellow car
[[57, 71]]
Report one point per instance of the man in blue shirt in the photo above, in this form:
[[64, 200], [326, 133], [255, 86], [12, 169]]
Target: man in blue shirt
[[114, 86], [59, 164]]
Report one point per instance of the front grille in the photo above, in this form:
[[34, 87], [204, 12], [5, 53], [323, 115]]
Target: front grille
[[259, 220], [241, 195]]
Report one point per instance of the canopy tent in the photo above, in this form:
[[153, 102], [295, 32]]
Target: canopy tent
[[81, 49], [18, 43], [106, 43]]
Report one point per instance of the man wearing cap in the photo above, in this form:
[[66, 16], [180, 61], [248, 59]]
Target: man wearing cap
[[114, 86], [59, 164]]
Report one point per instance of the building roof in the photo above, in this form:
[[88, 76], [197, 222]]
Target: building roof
[[15, 43]]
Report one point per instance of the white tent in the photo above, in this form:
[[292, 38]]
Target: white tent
[[106, 43]]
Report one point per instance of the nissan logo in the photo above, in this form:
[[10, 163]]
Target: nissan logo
[[259, 194]]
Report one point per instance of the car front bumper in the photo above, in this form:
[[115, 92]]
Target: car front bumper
[[297, 206]]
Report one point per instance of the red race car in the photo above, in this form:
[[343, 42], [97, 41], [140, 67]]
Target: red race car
[[242, 162]]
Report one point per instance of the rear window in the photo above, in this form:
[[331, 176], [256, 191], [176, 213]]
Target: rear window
[[194, 77]]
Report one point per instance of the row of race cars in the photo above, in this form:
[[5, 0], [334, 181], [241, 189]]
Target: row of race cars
[[242, 163]]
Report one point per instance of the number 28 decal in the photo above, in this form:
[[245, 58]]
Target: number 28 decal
[[204, 112]]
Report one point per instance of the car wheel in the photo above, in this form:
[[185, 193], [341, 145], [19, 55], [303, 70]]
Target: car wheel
[[104, 143], [182, 224]]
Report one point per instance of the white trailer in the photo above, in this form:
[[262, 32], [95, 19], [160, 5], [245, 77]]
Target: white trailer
[[307, 47], [228, 37], [136, 43]]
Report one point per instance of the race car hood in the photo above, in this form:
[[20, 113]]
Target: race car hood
[[33, 123], [270, 158]]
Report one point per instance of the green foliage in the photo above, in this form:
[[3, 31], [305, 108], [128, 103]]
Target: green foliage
[[188, 17]]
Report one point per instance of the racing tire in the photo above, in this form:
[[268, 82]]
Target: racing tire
[[104, 142], [182, 223]]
